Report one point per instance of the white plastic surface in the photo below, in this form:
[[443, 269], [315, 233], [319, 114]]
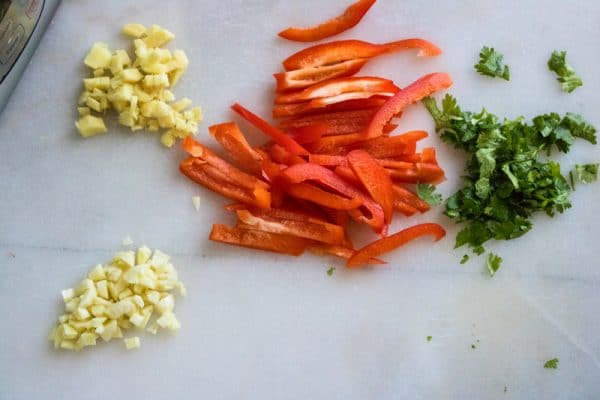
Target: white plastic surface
[[261, 326]]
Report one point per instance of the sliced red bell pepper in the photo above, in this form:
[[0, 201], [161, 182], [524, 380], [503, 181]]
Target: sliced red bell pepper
[[351, 16], [336, 145], [233, 141], [231, 173], [312, 172], [340, 251], [294, 110], [328, 160], [210, 177], [344, 50], [271, 131], [409, 198], [335, 117], [305, 77], [306, 191], [339, 86], [417, 173], [414, 92], [282, 156], [307, 228], [392, 146], [260, 240], [394, 241], [308, 133], [375, 179], [346, 173], [404, 208]]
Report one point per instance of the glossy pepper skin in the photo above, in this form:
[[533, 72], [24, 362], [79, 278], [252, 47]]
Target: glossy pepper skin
[[305, 77], [344, 50], [389, 243], [260, 240], [414, 92], [348, 19]]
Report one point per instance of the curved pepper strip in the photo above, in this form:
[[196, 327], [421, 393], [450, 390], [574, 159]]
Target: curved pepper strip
[[228, 134], [233, 174], [341, 252], [394, 241], [414, 92], [294, 110], [305, 77], [201, 172], [344, 50], [319, 231], [375, 179], [339, 86], [351, 16], [260, 240], [313, 172], [269, 130]]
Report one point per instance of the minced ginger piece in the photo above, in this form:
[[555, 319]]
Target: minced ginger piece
[[126, 293], [138, 90]]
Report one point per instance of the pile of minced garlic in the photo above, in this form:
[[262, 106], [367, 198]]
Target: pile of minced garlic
[[121, 295], [138, 90]]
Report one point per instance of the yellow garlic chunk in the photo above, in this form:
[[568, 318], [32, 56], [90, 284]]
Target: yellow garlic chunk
[[89, 126], [134, 30], [99, 56]]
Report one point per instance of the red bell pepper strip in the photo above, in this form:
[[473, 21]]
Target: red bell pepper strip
[[305, 77], [393, 146], [351, 16], [394, 241], [414, 92], [269, 130], [233, 141], [339, 86], [335, 117], [375, 179], [344, 50], [346, 173], [336, 145], [231, 173], [308, 133], [277, 243], [203, 173], [293, 110], [327, 160], [340, 251], [407, 197], [316, 195], [312, 172], [319, 231], [280, 155], [404, 208], [418, 173]]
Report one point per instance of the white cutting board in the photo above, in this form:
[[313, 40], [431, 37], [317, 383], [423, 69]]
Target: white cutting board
[[261, 326]]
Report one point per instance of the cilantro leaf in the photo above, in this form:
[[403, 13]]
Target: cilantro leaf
[[586, 173], [429, 338], [464, 259], [330, 271], [428, 194], [490, 64], [565, 73], [493, 263], [551, 364], [506, 180]]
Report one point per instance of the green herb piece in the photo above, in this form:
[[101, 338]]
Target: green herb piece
[[493, 263], [490, 64], [566, 75], [551, 364], [330, 271], [473, 346], [464, 259], [429, 338], [586, 173], [571, 180], [506, 179], [427, 193]]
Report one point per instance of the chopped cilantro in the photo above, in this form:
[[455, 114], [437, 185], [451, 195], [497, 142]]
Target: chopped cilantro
[[586, 173], [506, 179], [551, 364], [473, 346], [490, 64], [566, 75], [330, 271], [429, 338], [464, 259], [427, 193], [571, 180], [493, 263]]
